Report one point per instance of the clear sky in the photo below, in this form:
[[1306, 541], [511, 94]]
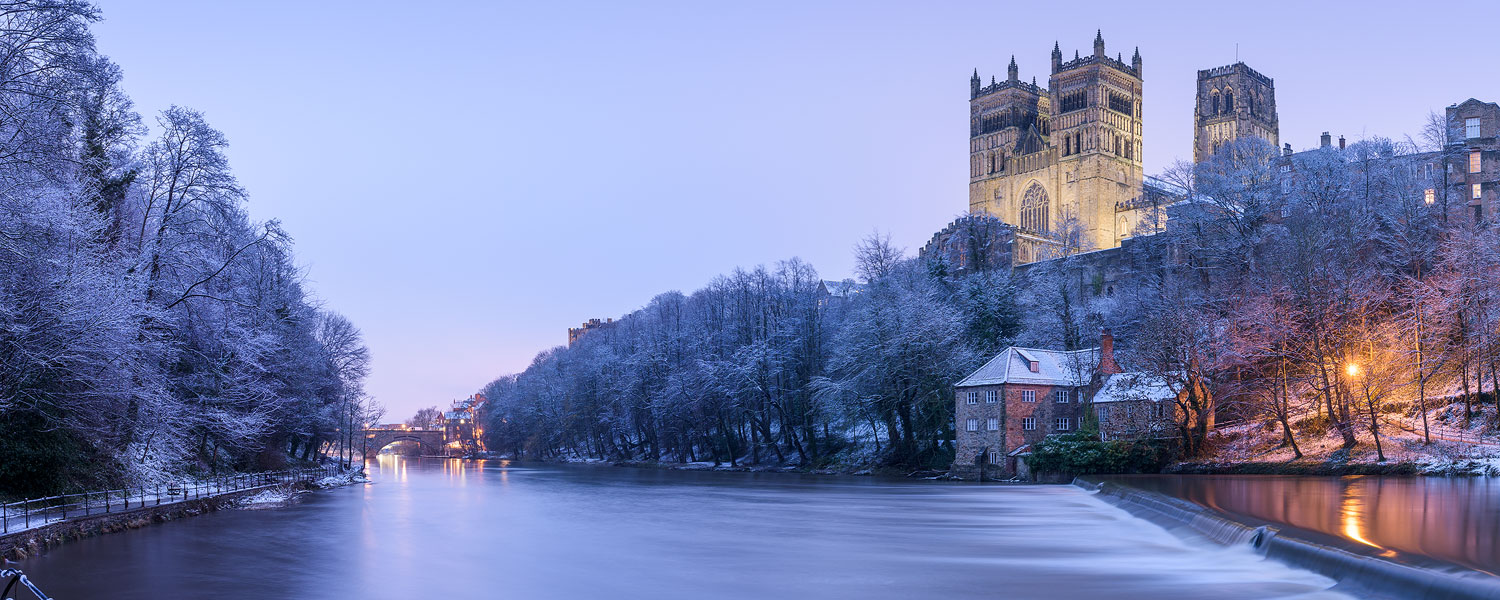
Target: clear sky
[[467, 180]]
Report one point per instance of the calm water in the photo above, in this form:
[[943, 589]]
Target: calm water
[[1451, 519], [450, 529]]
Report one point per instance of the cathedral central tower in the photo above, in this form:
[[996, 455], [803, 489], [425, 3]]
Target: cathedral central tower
[[1234, 101]]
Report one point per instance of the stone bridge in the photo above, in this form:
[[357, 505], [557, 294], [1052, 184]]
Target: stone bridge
[[431, 440]]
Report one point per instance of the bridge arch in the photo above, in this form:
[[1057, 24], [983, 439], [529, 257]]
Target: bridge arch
[[431, 441]]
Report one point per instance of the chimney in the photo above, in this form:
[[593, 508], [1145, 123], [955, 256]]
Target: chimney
[[1107, 364], [1287, 150], [1325, 141], [1341, 142]]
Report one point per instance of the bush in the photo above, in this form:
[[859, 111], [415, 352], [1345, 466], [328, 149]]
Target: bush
[[1082, 453]]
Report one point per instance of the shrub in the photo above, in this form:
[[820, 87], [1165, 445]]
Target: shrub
[[1083, 453]]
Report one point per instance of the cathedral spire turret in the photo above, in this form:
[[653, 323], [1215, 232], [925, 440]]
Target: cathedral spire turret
[[1056, 57], [1099, 43], [974, 84], [1012, 73], [1135, 61]]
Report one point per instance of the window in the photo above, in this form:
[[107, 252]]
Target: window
[[1473, 161], [1159, 410], [1064, 423], [1286, 168], [1228, 101], [1028, 423], [1034, 207], [1102, 412], [1120, 104], [990, 396], [1286, 186], [1062, 396], [1478, 192], [1074, 100], [992, 424], [1471, 128], [1429, 195], [972, 425], [1028, 396], [973, 397]]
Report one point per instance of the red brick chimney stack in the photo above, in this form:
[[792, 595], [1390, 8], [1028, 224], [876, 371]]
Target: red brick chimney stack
[[1107, 364]]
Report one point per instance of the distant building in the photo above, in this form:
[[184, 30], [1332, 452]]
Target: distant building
[[1463, 177], [462, 432], [1473, 156], [590, 325], [837, 292]]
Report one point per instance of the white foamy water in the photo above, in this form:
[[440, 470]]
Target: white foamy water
[[449, 529]]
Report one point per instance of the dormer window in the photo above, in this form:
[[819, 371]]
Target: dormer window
[[1035, 366]]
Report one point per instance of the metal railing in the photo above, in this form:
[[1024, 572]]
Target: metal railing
[[15, 577], [24, 514]]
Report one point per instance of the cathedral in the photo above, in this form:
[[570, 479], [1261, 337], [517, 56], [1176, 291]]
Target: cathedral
[[1062, 164]]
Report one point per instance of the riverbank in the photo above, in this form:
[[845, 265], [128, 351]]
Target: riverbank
[[30, 542], [859, 471]]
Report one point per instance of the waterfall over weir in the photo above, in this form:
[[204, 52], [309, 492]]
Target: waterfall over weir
[[1368, 576]]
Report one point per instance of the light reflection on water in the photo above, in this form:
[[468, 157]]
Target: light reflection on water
[[454, 529], [1454, 520]]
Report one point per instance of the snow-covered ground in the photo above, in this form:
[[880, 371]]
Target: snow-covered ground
[[1456, 448]]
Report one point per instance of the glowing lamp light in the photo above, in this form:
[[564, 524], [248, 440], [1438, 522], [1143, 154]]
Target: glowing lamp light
[[1352, 370]]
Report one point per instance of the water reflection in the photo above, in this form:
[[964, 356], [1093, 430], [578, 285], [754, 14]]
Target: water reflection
[[456, 529], [1454, 520]]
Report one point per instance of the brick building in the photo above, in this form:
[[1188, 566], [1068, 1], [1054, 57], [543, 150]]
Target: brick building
[[1014, 400]]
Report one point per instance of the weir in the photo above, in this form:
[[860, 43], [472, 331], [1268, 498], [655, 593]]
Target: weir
[[1367, 575]]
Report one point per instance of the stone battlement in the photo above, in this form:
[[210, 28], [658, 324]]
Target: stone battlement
[[1238, 67]]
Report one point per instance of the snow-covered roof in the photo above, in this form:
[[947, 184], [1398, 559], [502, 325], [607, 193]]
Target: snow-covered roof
[[1054, 367], [1121, 387], [842, 289]]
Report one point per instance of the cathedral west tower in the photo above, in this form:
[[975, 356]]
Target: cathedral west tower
[[1062, 163]]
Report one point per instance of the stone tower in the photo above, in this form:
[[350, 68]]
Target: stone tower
[[1234, 101], [1061, 163]]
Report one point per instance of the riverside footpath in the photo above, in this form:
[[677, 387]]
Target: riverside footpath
[[30, 526]]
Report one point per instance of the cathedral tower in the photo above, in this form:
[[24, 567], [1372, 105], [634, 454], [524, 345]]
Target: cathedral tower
[[1096, 126], [1234, 101], [1063, 163]]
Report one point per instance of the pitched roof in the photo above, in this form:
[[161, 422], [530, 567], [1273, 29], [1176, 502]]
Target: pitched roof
[[1122, 387], [1054, 367]]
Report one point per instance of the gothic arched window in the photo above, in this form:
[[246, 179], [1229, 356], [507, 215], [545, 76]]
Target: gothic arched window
[[1215, 109], [1228, 101], [1034, 209]]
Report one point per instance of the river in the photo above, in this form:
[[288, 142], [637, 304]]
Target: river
[[456, 529], [1442, 523]]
